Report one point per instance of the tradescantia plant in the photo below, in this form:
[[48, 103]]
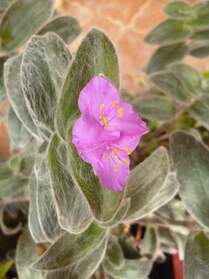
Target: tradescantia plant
[[75, 227]]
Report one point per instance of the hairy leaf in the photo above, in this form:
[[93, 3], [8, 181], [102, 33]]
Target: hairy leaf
[[96, 55], [70, 248], [21, 20], [115, 253], [193, 177], [65, 27], [178, 9], [149, 244], [72, 208], [44, 65], [200, 111], [196, 264], [150, 185], [199, 49]]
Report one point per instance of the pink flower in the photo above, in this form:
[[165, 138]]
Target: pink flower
[[107, 131]]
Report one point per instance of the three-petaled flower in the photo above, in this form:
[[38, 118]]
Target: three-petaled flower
[[107, 131]]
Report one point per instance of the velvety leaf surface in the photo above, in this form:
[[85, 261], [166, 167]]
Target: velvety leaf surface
[[131, 269], [103, 203], [71, 206], [200, 20], [166, 55], [84, 268], [25, 255], [156, 108], [96, 55], [4, 4], [65, 27], [21, 20], [70, 248], [149, 244], [18, 134], [44, 65], [15, 93], [170, 31], [199, 49], [196, 264], [193, 177], [44, 199], [150, 185], [200, 111]]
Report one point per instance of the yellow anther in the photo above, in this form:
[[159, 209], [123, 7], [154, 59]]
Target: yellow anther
[[120, 112], [115, 104], [114, 153], [116, 168], [128, 150], [102, 106], [124, 161], [104, 120]]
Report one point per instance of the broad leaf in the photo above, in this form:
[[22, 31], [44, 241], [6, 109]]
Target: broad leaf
[[166, 55], [96, 55], [131, 269], [156, 108], [70, 248], [150, 185], [72, 208], [196, 264], [84, 268], [21, 20], [193, 177], [171, 31], [25, 255], [149, 244], [19, 136], [103, 203], [178, 9], [65, 27], [15, 93], [44, 65], [200, 111]]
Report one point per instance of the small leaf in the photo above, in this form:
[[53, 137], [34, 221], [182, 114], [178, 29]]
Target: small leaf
[[25, 255], [5, 267], [178, 9], [199, 49], [103, 203], [196, 256], [131, 269], [166, 55], [200, 20], [15, 93], [193, 177], [72, 208], [150, 185], [65, 27], [19, 136], [200, 35], [200, 111], [82, 269], [96, 55], [22, 19], [70, 248], [156, 108], [115, 253], [171, 31], [44, 66], [149, 244]]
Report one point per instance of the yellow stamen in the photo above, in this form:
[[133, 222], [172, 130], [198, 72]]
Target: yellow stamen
[[105, 121], [114, 153], [120, 112], [124, 161], [116, 168], [115, 104], [128, 150]]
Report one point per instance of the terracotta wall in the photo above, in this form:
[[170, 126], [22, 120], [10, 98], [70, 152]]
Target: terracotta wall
[[126, 22]]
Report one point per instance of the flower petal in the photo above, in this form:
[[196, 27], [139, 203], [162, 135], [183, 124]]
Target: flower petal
[[99, 92], [113, 171], [90, 138], [128, 121]]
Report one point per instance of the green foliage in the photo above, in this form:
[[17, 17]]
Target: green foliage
[[5, 267]]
